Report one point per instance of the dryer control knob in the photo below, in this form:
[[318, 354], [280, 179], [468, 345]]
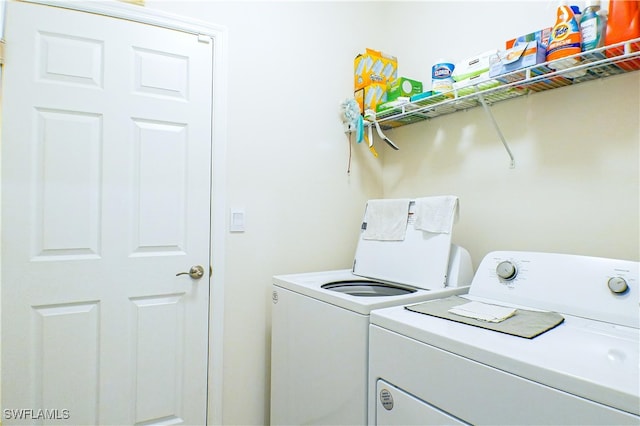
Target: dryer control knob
[[617, 285], [506, 270]]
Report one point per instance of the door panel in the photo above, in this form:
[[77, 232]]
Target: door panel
[[72, 326], [106, 165], [66, 160], [160, 186]]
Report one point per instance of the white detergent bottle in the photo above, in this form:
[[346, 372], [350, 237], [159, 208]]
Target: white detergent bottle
[[591, 26]]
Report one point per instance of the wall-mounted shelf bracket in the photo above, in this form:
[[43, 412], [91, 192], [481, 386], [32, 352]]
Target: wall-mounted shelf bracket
[[487, 110]]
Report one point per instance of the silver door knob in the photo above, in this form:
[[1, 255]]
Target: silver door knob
[[196, 272]]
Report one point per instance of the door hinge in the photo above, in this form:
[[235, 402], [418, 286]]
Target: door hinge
[[2, 43], [204, 38]]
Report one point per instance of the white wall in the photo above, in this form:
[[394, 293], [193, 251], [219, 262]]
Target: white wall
[[290, 67], [574, 188]]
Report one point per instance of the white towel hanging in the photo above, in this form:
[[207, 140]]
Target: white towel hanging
[[436, 214], [386, 220]]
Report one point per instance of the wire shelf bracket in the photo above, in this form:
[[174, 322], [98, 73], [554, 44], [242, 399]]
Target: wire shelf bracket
[[487, 110]]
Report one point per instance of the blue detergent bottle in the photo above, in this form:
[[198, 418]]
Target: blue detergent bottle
[[591, 26]]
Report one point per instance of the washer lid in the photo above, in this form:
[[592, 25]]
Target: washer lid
[[366, 288], [420, 260]]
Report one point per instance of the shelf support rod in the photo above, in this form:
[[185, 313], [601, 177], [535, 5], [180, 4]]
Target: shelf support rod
[[497, 128]]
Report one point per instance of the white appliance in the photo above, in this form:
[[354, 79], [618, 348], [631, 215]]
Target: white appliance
[[425, 369], [320, 322]]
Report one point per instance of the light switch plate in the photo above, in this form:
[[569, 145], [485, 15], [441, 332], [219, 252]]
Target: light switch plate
[[236, 220]]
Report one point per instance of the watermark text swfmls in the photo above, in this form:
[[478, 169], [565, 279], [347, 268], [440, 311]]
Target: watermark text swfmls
[[35, 414]]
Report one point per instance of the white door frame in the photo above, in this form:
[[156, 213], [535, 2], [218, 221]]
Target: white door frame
[[218, 35]]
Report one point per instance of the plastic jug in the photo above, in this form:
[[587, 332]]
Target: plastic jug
[[624, 21], [565, 37], [623, 24], [591, 26]]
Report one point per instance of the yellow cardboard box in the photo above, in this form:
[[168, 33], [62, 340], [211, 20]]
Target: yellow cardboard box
[[373, 66], [370, 96]]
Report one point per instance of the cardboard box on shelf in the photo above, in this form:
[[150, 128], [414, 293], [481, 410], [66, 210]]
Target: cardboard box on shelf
[[542, 36], [475, 84], [374, 67], [370, 96], [519, 56], [403, 87], [473, 66], [391, 105]]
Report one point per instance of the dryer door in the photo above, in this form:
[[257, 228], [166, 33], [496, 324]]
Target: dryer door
[[396, 407]]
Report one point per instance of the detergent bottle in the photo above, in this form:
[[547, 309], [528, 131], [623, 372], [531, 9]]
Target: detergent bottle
[[591, 26], [624, 22], [604, 19], [623, 25], [576, 13], [565, 39]]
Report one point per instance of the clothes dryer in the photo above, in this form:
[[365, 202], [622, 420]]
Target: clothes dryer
[[560, 347]]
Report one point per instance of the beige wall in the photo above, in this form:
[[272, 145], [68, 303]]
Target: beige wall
[[574, 188], [575, 185], [290, 67]]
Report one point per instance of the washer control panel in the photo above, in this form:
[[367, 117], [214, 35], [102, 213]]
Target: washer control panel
[[506, 270], [618, 285], [590, 287]]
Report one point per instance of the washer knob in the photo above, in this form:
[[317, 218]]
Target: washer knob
[[506, 270], [617, 285]]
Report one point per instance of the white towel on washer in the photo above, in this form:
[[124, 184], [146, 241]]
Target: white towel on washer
[[436, 214], [483, 311], [386, 220]]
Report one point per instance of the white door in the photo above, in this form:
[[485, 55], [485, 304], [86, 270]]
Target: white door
[[106, 173]]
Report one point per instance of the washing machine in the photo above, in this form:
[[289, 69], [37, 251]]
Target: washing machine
[[320, 321], [540, 338]]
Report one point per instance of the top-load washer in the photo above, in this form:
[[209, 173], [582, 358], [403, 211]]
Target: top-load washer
[[320, 320], [557, 344]]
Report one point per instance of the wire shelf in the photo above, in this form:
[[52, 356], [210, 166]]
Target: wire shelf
[[595, 64]]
